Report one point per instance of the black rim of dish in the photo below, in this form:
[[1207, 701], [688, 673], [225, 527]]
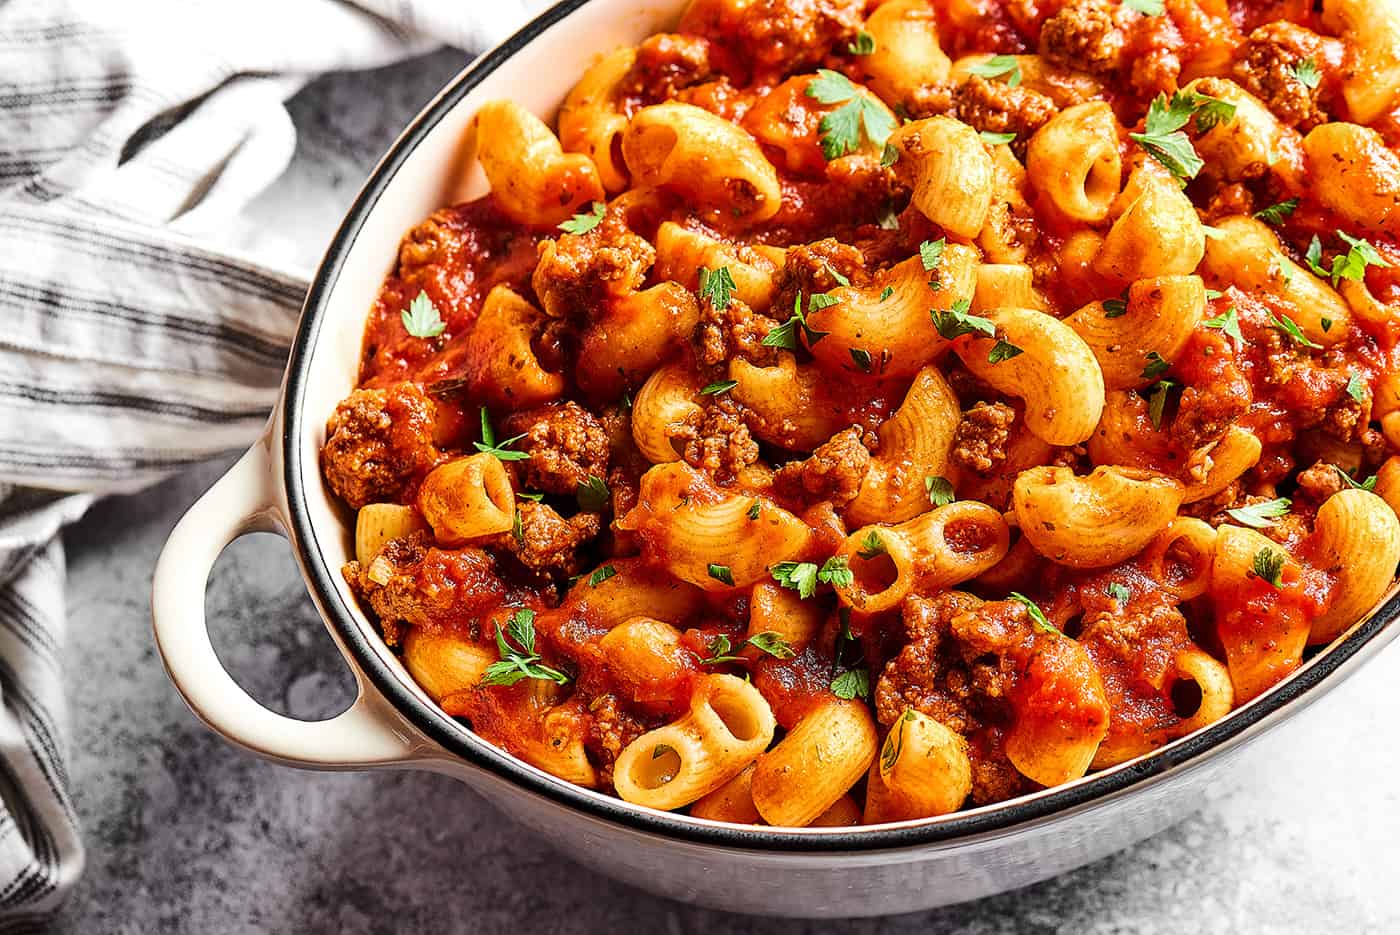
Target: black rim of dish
[[458, 740]]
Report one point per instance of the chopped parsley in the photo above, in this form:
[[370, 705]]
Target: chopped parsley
[[931, 253], [996, 139], [886, 293], [841, 129], [1289, 327], [519, 660], [721, 574], [1038, 618], [593, 494], [864, 44], [852, 683], [720, 386], [871, 546], [1157, 401], [862, 358], [1268, 564], [1156, 366], [1306, 73], [717, 286], [517, 528], [1276, 214], [721, 651], [583, 223], [999, 65], [1163, 138], [773, 644], [1367, 484], [1229, 323], [803, 577], [939, 490], [1356, 387], [600, 575], [785, 335], [421, 318], [490, 446], [1350, 265], [533, 496], [1146, 7], [1119, 593], [1002, 350], [888, 157], [752, 512], [1115, 308], [821, 300], [1260, 515], [894, 742], [957, 322]]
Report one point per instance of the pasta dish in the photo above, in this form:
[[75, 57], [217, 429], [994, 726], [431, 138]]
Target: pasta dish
[[850, 411]]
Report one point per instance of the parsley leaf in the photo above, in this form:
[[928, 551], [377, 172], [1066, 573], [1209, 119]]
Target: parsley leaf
[[1002, 350], [864, 44], [1367, 484], [836, 571], [489, 445], [1157, 401], [1275, 214], [517, 528], [1313, 257], [799, 576], [894, 742], [820, 301], [535, 497], [1229, 323], [996, 139], [583, 223], [841, 128], [1162, 135], [1306, 73], [939, 490], [721, 651], [862, 358], [722, 386], [1119, 593], [421, 319], [886, 293], [957, 322], [785, 335], [999, 65], [753, 509], [853, 683], [1156, 366], [1038, 618], [1260, 515], [1356, 387], [871, 546], [831, 87], [600, 575], [717, 286], [721, 574], [889, 157], [1268, 564], [593, 494], [519, 661], [931, 253], [1288, 327], [1146, 7], [1353, 264], [661, 749], [1115, 308], [771, 643]]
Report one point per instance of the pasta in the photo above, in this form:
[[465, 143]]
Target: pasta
[[879, 420]]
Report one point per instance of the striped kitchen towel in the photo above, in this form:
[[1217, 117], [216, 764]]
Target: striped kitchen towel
[[131, 135]]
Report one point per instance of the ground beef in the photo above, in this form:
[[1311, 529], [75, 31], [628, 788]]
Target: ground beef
[[667, 63], [610, 729], [1229, 200], [980, 441], [411, 582], [833, 473], [566, 443], [929, 100], [734, 331], [377, 441], [546, 541], [579, 273], [1084, 36], [961, 683], [789, 36], [721, 445], [1320, 481], [1314, 389], [808, 269], [997, 107], [1266, 69], [1205, 412]]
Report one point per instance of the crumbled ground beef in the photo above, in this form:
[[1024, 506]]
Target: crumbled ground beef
[[790, 36], [566, 443], [579, 273], [377, 441], [997, 107], [980, 441], [610, 729], [1083, 35], [1320, 481], [547, 542], [734, 331], [834, 472], [1205, 412], [411, 582], [808, 269], [1266, 68], [666, 63], [721, 445]]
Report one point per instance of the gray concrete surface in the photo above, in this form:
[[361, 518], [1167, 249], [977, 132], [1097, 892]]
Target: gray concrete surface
[[188, 834]]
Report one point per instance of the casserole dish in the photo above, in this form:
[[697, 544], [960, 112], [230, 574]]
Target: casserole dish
[[276, 486]]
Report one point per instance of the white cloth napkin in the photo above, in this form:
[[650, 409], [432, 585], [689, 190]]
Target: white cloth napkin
[[131, 135]]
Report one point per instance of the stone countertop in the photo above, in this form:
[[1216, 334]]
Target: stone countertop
[[186, 833]]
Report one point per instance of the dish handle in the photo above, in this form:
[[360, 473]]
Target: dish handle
[[368, 733]]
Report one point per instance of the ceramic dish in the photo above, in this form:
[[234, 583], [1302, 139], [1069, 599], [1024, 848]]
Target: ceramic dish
[[277, 486]]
